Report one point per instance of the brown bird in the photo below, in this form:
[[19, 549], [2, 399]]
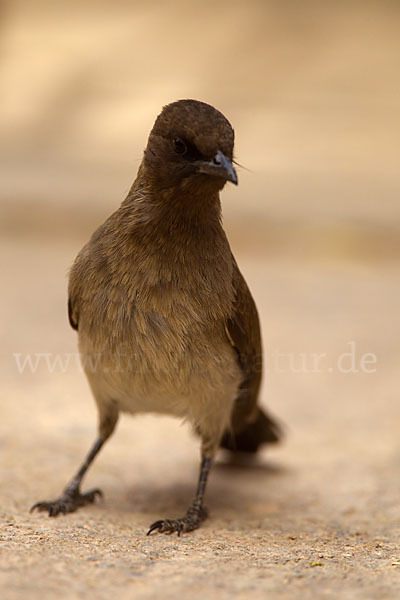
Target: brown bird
[[166, 322]]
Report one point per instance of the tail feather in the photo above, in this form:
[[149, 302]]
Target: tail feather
[[264, 430]]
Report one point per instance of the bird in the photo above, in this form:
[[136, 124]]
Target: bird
[[165, 320]]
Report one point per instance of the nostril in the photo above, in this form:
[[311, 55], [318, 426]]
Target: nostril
[[217, 160]]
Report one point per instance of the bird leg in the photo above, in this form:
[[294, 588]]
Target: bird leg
[[195, 513], [71, 499]]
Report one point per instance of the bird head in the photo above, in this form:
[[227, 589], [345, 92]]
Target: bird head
[[190, 145]]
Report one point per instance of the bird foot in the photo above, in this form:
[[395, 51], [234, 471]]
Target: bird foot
[[189, 522], [69, 502]]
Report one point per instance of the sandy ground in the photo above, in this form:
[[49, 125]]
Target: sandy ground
[[317, 516]]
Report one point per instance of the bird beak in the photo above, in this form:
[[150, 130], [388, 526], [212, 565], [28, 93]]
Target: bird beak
[[219, 166]]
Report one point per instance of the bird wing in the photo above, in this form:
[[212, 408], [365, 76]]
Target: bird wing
[[72, 314], [251, 426], [79, 274], [243, 332]]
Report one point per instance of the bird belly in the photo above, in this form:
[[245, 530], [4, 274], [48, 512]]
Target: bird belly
[[192, 375]]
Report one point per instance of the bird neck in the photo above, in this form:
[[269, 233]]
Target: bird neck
[[184, 208]]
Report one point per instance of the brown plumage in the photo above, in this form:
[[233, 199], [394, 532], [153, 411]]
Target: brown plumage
[[165, 320]]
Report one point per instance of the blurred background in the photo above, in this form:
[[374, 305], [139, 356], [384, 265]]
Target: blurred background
[[312, 89]]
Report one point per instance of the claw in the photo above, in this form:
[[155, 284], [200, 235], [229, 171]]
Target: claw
[[38, 505], [156, 525], [91, 496]]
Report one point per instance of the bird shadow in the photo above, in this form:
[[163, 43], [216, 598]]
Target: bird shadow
[[241, 462], [232, 483]]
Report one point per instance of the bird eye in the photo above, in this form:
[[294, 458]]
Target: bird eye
[[179, 146]]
